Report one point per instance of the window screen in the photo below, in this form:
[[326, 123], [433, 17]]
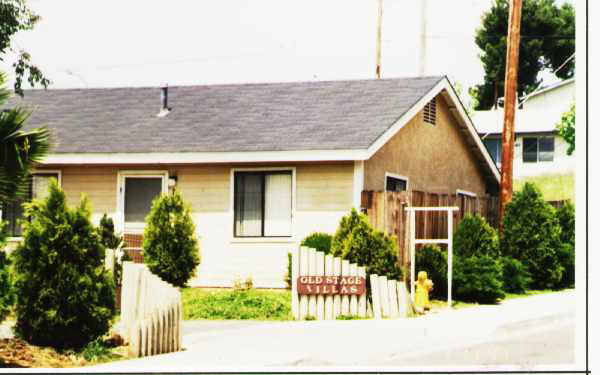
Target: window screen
[[263, 204], [530, 149], [395, 184], [139, 193], [546, 148]]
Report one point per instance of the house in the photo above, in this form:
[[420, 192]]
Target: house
[[539, 150], [262, 165]]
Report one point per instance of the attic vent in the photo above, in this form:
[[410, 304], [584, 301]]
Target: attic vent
[[429, 112]]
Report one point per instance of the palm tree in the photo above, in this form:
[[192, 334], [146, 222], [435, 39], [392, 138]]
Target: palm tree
[[19, 149]]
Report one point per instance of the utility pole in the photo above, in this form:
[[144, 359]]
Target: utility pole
[[510, 97], [378, 45], [423, 46]]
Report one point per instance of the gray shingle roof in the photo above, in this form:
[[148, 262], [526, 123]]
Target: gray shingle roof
[[245, 117]]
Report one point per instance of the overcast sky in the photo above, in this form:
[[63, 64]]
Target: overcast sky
[[91, 43]]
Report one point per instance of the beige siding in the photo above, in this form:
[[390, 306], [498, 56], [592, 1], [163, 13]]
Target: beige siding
[[324, 187], [205, 187], [98, 183], [435, 158]]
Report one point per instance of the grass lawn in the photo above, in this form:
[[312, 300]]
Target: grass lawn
[[553, 186], [199, 303], [532, 293]]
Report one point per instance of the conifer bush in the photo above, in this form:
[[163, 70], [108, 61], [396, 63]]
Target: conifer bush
[[515, 276], [474, 236], [532, 235], [356, 241], [107, 232], [7, 296], [170, 246], [566, 253], [319, 241], [65, 297], [477, 278], [434, 261]]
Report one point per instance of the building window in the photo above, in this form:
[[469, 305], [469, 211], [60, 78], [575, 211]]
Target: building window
[[537, 149], [429, 112], [494, 147], [139, 194], [263, 204], [13, 212], [395, 183]]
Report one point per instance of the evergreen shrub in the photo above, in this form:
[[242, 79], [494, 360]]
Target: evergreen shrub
[[65, 297], [532, 235], [7, 295], [474, 236], [434, 261], [515, 276], [566, 253], [477, 278], [319, 241], [170, 246]]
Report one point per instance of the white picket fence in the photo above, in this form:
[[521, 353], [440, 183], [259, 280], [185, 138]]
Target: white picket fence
[[390, 297], [151, 312]]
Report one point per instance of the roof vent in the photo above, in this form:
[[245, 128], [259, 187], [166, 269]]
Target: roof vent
[[429, 112], [164, 101]]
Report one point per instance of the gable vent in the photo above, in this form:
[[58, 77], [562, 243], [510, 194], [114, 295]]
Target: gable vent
[[429, 112]]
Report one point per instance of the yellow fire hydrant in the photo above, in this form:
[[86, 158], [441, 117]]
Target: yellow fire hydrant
[[424, 286]]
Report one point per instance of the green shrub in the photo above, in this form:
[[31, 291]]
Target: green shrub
[[288, 274], [107, 232], [319, 241], [474, 236], [65, 297], [434, 261], [7, 296], [515, 276], [477, 279], [170, 246], [357, 242], [532, 235], [566, 253]]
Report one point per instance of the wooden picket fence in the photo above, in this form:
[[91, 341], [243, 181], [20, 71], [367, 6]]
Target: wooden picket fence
[[151, 312], [390, 298]]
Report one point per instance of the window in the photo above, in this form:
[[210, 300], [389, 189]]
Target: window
[[13, 212], [429, 112], [139, 193], [263, 204], [536, 149], [395, 183], [494, 147]]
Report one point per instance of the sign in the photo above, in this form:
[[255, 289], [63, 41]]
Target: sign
[[344, 285]]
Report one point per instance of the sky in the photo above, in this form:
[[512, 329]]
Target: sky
[[116, 43]]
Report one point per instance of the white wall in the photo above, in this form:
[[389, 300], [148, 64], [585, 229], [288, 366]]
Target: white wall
[[562, 163], [555, 100]]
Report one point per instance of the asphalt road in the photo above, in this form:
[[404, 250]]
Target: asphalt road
[[525, 332]]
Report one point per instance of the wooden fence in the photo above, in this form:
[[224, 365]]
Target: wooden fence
[[151, 312], [389, 296]]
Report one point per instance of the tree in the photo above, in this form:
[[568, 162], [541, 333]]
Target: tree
[[7, 296], [547, 41], [170, 246], [566, 128], [65, 297], [19, 149], [16, 16]]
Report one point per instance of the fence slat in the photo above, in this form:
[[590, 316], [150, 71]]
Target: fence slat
[[393, 298], [303, 272], [320, 271], [362, 300], [312, 270], [337, 299], [353, 298], [345, 298], [294, 282], [329, 298], [384, 296], [375, 296], [402, 299]]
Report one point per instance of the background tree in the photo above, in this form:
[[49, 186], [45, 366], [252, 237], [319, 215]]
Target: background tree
[[16, 16], [547, 41], [19, 149], [566, 128]]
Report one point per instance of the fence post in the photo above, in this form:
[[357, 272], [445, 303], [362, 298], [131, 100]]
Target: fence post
[[450, 258], [329, 297], [393, 297], [320, 298], [385, 297], [294, 282], [412, 255], [303, 272], [353, 299], [345, 298], [312, 269], [362, 300], [375, 296], [337, 299]]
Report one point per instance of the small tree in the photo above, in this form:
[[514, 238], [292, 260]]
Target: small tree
[[65, 297], [474, 236], [566, 128], [107, 232], [170, 246], [532, 235], [477, 279], [434, 261], [515, 276], [7, 296], [566, 253], [319, 241]]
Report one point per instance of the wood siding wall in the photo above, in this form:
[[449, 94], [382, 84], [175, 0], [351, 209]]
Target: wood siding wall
[[435, 158]]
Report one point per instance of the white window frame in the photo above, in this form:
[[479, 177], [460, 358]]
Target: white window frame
[[466, 192], [397, 176], [137, 227], [33, 173], [233, 239]]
